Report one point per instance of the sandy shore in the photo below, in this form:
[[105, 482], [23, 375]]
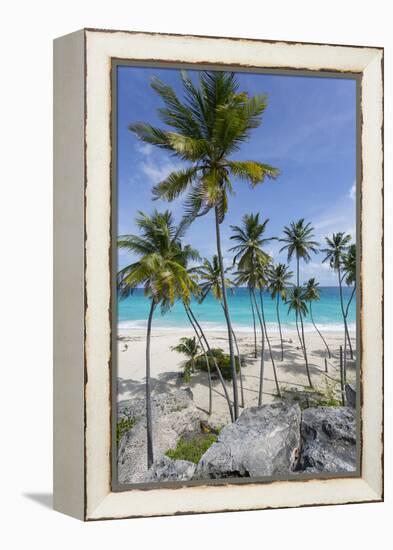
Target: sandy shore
[[166, 365]]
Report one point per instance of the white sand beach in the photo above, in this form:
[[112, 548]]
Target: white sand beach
[[166, 366]]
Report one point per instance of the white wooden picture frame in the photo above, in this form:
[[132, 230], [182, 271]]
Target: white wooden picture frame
[[82, 251]]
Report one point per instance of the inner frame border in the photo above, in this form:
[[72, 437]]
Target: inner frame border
[[113, 366]]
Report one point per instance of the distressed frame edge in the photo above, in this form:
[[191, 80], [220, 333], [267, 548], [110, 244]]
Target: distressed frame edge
[[375, 495], [69, 489]]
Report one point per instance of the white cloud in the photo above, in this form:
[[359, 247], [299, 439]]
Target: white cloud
[[352, 191], [328, 222], [145, 149], [157, 171]]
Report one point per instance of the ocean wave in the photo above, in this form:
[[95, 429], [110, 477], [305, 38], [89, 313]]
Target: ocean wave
[[211, 326]]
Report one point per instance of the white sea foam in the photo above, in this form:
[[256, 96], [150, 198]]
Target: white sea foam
[[210, 326]]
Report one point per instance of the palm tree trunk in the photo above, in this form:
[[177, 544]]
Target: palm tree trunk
[[343, 314], [279, 326], [215, 363], [240, 370], [227, 317], [240, 366], [255, 327], [305, 352], [320, 334], [297, 270], [268, 343], [345, 362], [298, 333], [346, 316], [262, 366], [206, 360], [350, 300], [149, 426]]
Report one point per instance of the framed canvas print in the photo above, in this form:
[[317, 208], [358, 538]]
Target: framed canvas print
[[218, 274]]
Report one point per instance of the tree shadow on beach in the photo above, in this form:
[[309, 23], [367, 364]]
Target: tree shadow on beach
[[137, 388]]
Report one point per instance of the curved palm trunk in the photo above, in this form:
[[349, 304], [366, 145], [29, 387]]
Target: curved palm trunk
[[262, 366], [305, 352], [227, 318], [344, 369], [297, 270], [347, 331], [215, 363], [255, 326], [298, 333], [350, 300], [240, 366], [149, 427], [343, 314], [279, 326], [268, 343], [240, 370], [209, 378], [320, 334]]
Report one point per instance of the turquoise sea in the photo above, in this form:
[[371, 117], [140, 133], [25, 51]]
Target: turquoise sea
[[133, 312]]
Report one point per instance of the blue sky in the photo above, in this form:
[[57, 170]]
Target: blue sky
[[308, 132]]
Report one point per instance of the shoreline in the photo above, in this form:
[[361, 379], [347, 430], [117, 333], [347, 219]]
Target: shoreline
[[212, 327], [167, 366]]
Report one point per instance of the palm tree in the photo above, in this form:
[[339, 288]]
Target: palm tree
[[337, 248], [279, 277], [249, 239], [208, 354], [160, 271], [249, 278], [349, 274], [298, 239], [254, 277], [207, 126], [188, 254], [312, 294], [210, 282], [297, 302], [191, 349], [252, 260]]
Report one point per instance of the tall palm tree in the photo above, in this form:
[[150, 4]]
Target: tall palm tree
[[207, 126], [252, 261], [250, 240], [349, 272], [312, 294], [337, 248], [209, 355], [249, 279], [297, 302], [160, 271], [191, 349], [279, 281], [349, 275], [210, 281], [254, 277], [299, 242], [189, 254]]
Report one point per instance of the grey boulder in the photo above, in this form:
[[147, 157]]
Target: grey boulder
[[350, 395], [174, 414], [166, 469], [328, 440], [264, 441]]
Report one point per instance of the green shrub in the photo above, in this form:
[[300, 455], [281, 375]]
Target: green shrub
[[223, 361], [123, 426], [191, 449]]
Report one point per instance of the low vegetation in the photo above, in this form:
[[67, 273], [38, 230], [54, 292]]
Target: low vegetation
[[192, 448], [306, 397], [123, 426], [223, 362]]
